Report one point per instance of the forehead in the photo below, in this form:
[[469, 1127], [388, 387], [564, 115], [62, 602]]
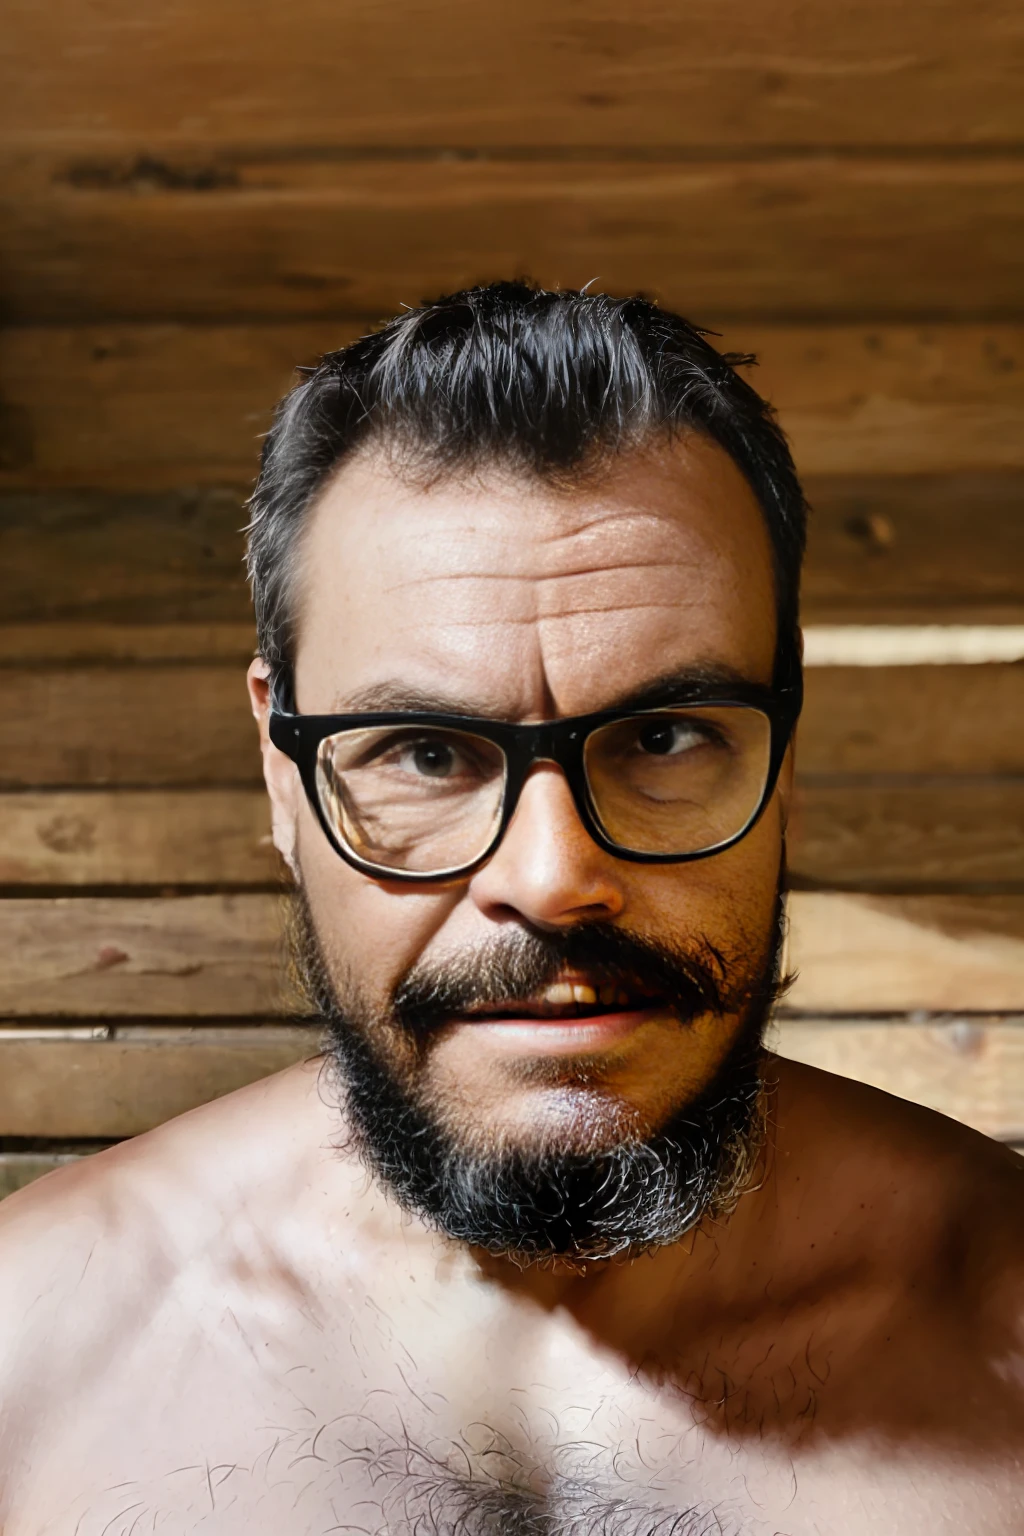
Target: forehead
[[509, 596]]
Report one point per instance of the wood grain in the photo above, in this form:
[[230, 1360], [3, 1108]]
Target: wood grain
[[915, 549], [117, 77], [68, 640], [930, 719], [220, 956], [215, 956], [171, 559], [917, 836], [138, 838], [826, 237], [881, 954], [970, 1069], [135, 407], [159, 725], [56, 1087], [89, 574], [151, 725], [923, 835]]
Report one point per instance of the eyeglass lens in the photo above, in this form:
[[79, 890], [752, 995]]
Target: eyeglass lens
[[425, 801], [413, 800], [680, 781]]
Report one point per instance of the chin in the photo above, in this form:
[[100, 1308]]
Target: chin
[[561, 1103], [569, 1119]]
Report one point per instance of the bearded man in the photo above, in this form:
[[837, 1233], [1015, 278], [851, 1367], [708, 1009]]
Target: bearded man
[[546, 1243]]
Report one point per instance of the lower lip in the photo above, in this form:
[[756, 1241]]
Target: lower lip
[[563, 1037]]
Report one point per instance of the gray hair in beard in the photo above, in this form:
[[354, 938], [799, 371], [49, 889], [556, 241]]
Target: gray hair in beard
[[531, 1205]]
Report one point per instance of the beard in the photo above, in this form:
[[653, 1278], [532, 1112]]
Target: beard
[[621, 1196]]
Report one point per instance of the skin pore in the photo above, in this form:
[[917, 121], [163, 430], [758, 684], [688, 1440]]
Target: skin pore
[[228, 1326]]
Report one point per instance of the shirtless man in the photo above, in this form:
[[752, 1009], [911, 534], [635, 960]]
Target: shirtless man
[[545, 1243]]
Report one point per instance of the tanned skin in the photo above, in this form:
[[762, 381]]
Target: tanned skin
[[227, 1326]]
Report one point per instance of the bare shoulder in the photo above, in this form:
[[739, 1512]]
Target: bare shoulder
[[918, 1197], [87, 1252]]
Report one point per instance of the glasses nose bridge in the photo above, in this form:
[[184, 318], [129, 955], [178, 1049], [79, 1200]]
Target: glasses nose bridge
[[552, 741]]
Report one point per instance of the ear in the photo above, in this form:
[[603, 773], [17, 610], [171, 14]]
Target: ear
[[279, 772]]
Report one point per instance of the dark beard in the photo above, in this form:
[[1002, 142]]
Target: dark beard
[[546, 1203]]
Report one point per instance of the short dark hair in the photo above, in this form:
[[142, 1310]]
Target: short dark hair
[[543, 383]]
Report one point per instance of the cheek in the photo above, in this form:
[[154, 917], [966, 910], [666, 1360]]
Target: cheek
[[368, 930], [729, 900]]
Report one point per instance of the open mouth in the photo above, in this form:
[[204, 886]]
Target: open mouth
[[565, 1001]]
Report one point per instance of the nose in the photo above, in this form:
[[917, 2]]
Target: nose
[[548, 871]]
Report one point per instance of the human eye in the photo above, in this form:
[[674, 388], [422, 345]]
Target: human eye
[[414, 757], [430, 757], [668, 736]]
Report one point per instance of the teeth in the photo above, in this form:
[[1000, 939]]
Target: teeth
[[560, 994]]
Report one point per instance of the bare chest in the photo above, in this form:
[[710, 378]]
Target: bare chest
[[272, 1421]]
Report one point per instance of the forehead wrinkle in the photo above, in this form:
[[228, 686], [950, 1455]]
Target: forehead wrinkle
[[518, 620], [539, 582], [547, 576]]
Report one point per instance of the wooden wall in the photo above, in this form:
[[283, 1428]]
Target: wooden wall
[[198, 195]]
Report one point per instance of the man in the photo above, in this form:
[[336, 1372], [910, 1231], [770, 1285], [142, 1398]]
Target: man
[[546, 1242]]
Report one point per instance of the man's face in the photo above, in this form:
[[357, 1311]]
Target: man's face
[[506, 598]]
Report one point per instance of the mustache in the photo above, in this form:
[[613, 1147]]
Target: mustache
[[511, 969]]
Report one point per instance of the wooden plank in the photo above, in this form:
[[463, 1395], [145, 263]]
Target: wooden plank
[[912, 720], [908, 836], [915, 548], [149, 725], [141, 838], [145, 407], [172, 559], [165, 725], [922, 835], [63, 641], [912, 645], [220, 956], [970, 1069], [92, 574], [54, 1087], [119, 77], [826, 238], [158, 406], [881, 954]]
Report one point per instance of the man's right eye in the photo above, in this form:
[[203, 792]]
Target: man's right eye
[[429, 759]]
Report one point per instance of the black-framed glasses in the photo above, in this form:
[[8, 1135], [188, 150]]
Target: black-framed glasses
[[419, 796]]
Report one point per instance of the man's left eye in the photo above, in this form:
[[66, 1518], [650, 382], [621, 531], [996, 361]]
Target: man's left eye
[[668, 737]]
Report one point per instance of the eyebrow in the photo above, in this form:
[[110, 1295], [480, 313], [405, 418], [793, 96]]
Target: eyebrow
[[701, 679]]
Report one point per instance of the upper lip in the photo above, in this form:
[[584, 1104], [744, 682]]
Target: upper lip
[[568, 997]]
